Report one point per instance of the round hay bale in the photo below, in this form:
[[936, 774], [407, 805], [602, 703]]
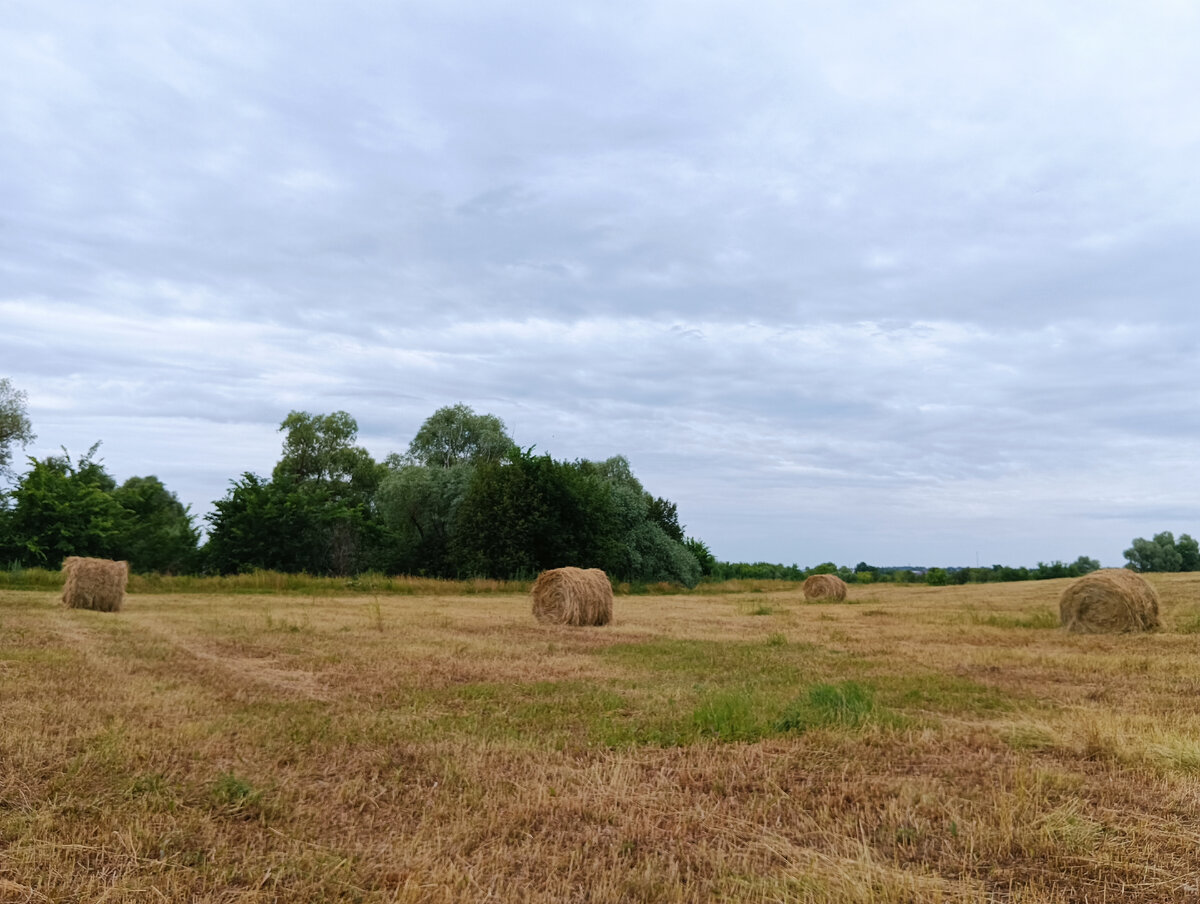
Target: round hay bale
[[97, 584], [824, 587], [573, 596], [1109, 601]]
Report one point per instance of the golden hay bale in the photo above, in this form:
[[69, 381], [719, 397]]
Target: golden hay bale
[[1109, 601], [824, 587], [573, 596], [94, 583]]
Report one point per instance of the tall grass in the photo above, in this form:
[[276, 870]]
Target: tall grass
[[261, 581], [276, 582]]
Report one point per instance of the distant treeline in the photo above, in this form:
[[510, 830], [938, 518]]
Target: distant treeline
[[901, 574]]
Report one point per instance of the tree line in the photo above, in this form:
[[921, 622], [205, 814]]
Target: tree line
[[464, 500]]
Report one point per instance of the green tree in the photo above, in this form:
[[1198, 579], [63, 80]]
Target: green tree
[[1189, 553], [1158, 554], [665, 514], [645, 551], [418, 506], [1054, 569], [702, 554], [319, 450], [159, 533], [256, 525], [65, 508], [937, 577], [456, 435], [530, 512], [315, 514], [14, 423]]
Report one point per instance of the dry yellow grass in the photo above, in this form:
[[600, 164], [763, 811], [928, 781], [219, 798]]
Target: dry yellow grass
[[908, 744]]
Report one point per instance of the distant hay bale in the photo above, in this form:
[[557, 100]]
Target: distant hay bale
[[1109, 601], [94, 583], [573, 596], [824, 587]]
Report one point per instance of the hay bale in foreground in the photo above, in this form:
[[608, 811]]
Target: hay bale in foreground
[[573, 596], [1109, 601], [824, 587], [94, 583]]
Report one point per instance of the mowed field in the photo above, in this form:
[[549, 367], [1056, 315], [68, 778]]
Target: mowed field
[[909, 744]]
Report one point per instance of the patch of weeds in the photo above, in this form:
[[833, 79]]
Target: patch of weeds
[[544, 713], [709, 662], [848, 704], [282, 725], [154, 791], [729, 716], [777, 640], [237, 796], [762, 609], [943, 693], [1188, 625], [1179, 754]]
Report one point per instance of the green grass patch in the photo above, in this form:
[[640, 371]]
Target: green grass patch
[[743, 691], [943, 693], [1188, 624], [710, 663], [730, 716], [847, 704], [235, 796]]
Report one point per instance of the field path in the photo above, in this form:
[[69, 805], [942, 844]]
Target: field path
[[232, 670], [221, 670]]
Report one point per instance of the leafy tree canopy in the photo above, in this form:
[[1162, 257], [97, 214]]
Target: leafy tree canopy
[[456, 435], [14, 422], [65, 508], [1163, 553], [159, 533], [319, 449]]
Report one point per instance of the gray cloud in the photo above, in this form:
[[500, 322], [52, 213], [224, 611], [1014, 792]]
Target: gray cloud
[[866, 282]]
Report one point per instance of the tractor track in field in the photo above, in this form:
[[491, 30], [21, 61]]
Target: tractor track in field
[[225, 671]]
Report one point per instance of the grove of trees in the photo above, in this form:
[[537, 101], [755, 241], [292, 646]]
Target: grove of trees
[[464, 500], [63, 507], [1164, 553]]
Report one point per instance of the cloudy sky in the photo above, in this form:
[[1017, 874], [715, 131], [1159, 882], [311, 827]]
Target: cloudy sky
[[906, 282]]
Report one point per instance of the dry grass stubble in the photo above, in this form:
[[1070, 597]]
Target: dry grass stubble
[[442, 749]]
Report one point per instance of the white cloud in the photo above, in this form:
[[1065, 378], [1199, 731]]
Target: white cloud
[[847, 281]]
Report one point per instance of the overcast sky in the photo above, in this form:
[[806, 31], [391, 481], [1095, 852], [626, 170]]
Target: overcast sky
[[903, 282]]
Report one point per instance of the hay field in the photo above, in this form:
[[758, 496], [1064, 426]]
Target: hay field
[[908, 744]]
